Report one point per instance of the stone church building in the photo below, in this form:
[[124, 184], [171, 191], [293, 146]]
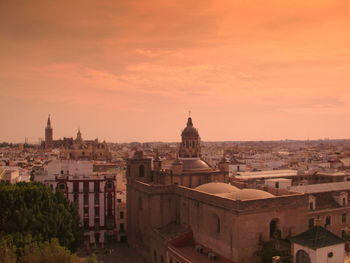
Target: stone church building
[[78, 148], [183, 210]]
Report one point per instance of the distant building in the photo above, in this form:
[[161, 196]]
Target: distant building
[[76, 149], [9, 175]]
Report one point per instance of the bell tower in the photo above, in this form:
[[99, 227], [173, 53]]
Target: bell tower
[[48, 134], [190, 141]]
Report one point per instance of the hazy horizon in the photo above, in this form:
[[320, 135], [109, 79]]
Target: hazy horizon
[[131, 70]]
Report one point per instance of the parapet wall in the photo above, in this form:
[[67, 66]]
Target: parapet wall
[[240, 206]]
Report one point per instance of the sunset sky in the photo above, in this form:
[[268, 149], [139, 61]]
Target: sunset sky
[[130, 70]]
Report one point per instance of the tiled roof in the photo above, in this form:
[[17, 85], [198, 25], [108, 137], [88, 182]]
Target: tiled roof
[[317, 237]]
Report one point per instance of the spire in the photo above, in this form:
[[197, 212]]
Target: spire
[[48, 121]]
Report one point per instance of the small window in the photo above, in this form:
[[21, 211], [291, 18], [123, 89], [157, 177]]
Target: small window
[[119, 200], [311, 206], [97, 222], [343, 218], [97, 199], [344, 201], [96, 187], [86, 187], [86, 199], [328, 220], [97, 211], [141, 171], [76, 187], [277, 185], [109, 185], [86, 223], [121, 227]]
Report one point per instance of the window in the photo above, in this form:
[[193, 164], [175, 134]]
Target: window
[[274, 228], [109, 185], [97, 187], [76, 187], [86, 223], [119, 200], [97, 222], [86, 199], [328, 220], [109, 204], [86, 211], [302, 257], [121, 227], [97, 211], [277, 185], [311, 205], [343, 218], [97, 199], [121, 215], [344, 201], [86, 187], [311, 222], [141, 171], [62, 186]]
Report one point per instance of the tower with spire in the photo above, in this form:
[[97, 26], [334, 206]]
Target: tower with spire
[[79, 137], [190, 141], [48, 134]]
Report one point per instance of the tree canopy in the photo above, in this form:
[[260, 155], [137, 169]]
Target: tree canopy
[[32, 213]]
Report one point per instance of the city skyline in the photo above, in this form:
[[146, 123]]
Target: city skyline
[[130, 71]]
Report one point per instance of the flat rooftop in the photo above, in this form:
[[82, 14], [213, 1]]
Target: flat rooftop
[[319, 188], [267, 174]]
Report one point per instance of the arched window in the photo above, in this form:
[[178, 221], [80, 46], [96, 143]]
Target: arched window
[[302, 257], [141, 171], [274, 229]]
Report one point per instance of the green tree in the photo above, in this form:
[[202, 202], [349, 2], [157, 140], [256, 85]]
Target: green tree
[[47, 252], [32, 213], [92, 259]]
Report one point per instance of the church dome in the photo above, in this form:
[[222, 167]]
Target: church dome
[[249, 194], [194, 164], [217, 188], [190, 131]]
